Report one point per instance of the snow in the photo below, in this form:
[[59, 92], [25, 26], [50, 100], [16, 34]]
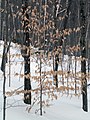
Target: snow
[[64, 108]]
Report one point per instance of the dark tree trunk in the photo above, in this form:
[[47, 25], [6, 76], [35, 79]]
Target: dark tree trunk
[[27, 84], [26, 55], [56, 69], [40, 86], [5, 51], [83, 53], [55, 45]]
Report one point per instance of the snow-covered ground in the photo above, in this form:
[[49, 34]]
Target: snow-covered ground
[[64, 108]]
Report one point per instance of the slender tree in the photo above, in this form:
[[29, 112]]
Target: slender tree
[[5, 51], [55, 43], [83, 52], [40, 85]]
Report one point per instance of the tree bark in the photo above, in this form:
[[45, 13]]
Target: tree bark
[[26, 55], [55, 45], [83, 53]]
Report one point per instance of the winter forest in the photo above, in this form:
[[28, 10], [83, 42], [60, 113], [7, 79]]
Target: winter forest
[[44, 59]]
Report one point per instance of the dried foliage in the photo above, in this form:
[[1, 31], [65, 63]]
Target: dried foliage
[[43, 38]]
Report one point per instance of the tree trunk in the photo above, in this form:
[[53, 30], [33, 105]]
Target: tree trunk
[[83, 53], [5, 51], [26, 55], [55, 45], [40, 86], [27, 84]]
